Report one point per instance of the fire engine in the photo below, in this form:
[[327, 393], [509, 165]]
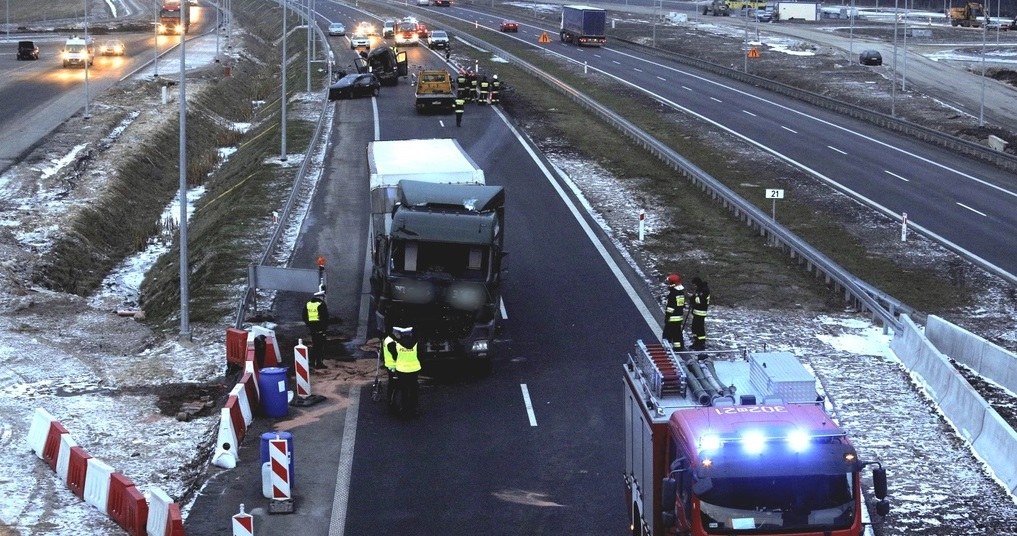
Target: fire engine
[[759, 455]]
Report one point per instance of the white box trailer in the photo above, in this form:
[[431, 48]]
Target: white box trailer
[[808, 11], [433, 160]]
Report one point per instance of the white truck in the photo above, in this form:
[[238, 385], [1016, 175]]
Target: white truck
[[437, 236], [807, 11]]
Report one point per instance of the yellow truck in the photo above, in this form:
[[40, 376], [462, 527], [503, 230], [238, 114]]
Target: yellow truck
[[434, 91], [970, 15]]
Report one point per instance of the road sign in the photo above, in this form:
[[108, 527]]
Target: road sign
[[544, 38], [754, 53], [774, 193]]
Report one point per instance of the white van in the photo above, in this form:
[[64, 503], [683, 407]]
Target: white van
[[78, 52]]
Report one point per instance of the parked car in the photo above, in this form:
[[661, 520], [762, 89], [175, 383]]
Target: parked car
[[27, 50], [352, 86], [360, 40], [113, 47], [336, 28], [388, 29], [870, 57], [509, 26], [437, 39]]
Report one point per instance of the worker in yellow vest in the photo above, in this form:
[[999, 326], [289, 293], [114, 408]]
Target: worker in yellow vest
[[316, 319], [401, 346]]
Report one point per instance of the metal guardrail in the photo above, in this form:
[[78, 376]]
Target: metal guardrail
[[884, 307], [285, 215]]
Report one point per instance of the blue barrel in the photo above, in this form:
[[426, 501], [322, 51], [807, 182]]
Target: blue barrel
[[289, 445], [274, 396]]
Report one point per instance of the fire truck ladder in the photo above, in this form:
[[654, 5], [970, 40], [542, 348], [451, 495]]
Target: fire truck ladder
[[660, 369]]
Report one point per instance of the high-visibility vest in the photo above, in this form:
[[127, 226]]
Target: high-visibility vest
[[406, 359], [483, 85], [389, 359], [312, 310]]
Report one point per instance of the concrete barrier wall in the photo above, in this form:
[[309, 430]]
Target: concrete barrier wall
[[989, 360], [992, 439]]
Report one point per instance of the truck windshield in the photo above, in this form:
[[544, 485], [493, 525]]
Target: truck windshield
[[807, 503], [459, 261]]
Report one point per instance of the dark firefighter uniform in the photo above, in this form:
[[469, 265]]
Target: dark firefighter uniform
[[674, 314], [462, 85], [472, 78], [460, 107], [485, 88], [402, 347], [316, 319], [700, 303], [495, 89]]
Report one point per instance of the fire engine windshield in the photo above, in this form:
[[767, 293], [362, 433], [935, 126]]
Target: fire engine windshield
[[807, 503]]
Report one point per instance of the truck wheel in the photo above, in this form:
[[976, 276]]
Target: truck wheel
[[375, 92], [706, 11]]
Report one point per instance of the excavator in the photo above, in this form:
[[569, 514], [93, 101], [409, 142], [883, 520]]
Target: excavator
[[970, 15]]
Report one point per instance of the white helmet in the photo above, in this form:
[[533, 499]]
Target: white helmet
[[495, 77]]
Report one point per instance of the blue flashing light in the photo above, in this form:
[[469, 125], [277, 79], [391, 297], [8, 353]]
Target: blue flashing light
[[798, 440], [709, 443], [754, 442]]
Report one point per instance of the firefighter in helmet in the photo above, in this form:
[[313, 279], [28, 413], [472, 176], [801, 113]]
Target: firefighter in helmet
[[700, 303], [674, 313]]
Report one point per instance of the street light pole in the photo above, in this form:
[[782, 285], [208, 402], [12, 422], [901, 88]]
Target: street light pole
[[282, 102], [185, 315], [981, 108], [156, 47], [904, 74], [88, 59], [308, 4], [893, 78]]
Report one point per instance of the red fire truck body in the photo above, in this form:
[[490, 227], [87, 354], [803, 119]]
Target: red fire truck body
[[758, 455]]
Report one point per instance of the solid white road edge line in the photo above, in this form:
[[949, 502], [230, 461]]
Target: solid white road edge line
[[529, 404], [341, 499]]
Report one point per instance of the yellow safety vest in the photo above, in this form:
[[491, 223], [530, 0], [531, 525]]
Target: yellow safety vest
[[312, 311], [406, 359], [389, 360]]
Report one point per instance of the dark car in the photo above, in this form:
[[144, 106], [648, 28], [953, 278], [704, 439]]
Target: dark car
[[27, 50], [352, 86], [509, 26], [870, 57]]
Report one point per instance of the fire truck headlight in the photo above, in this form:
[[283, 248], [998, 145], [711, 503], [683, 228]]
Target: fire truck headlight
[[480, 346], [798, 440], [754, 442], [709, 443]]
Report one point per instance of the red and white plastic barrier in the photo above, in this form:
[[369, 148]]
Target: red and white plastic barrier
[[240, 392], [272, 354], [99, 485], [302, 369]]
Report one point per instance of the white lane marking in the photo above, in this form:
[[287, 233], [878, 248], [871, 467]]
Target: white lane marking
[[341, 499], [791, 130], [686, 88], [716, 99], [616, 62], [580, 49], [749, 113], [972, 210], [888, 172], [441, 123], [529, 405], [662, 78], [836, 149], [504, 311], [637, 69]]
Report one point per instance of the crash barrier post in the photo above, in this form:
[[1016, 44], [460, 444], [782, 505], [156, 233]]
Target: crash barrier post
[[77, 471], [127, 505], [989, 435], [51, 451], [279, 457], [236, 347], [265, 456], [97, 484], [989, 360], [64, 455], [302, 369], [39, 431], [240, 391], [243, 523]]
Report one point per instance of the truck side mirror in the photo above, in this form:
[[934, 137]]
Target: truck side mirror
[[879, 482]]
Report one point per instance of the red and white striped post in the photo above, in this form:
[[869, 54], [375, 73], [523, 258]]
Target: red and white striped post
[[303, 371], [243, 524], [642, 224], [279, 456]]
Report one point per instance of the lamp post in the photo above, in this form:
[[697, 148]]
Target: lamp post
[[8, 12], [893, 79], [282, 103], [308, 4], [981, 108], [156, 47], [88, 59], [185, 316]]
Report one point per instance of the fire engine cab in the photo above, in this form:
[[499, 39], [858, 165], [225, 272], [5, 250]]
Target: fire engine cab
[[755, 453]]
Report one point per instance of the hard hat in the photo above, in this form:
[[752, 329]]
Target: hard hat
[[495, 77], [319, 293], [673, 279]]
